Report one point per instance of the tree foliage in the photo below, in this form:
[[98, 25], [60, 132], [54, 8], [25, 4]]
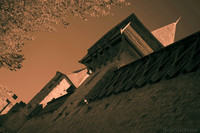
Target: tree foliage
[[21, 19]]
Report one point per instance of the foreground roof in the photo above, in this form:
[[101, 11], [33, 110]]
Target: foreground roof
[[180, 57]]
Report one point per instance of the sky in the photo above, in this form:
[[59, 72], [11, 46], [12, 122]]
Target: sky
[[61, 50]]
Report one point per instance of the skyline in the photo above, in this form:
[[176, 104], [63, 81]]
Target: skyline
[[44, 58]]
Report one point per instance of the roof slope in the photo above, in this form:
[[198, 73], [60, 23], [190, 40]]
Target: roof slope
[[180, 57]]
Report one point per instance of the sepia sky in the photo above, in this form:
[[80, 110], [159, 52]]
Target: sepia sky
[[61, 50]]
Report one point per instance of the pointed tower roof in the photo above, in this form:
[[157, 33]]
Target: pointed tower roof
[[166, 34]]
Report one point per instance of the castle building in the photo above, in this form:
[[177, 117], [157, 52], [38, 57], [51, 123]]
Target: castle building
[[125, 59], [130, 40]]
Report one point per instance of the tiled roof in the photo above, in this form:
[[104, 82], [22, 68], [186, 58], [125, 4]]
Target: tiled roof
[[181, 57]]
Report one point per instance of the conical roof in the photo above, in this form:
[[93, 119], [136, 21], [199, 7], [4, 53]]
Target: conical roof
[[166, 34]]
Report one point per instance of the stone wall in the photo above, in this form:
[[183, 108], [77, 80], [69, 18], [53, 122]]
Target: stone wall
[[168, 106]]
